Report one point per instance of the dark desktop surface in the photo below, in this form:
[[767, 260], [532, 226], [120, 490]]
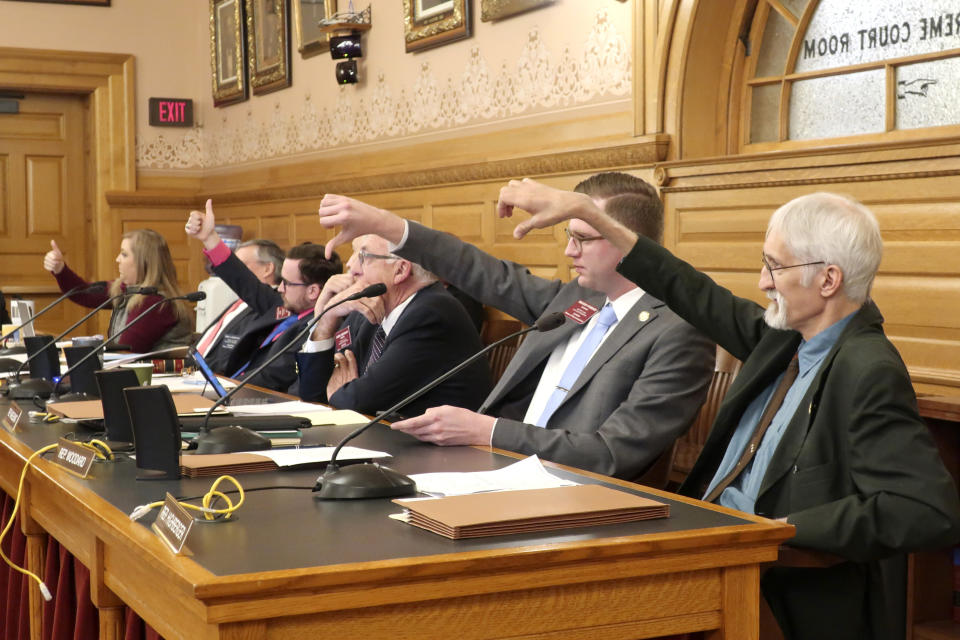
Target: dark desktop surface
[[283, 525]]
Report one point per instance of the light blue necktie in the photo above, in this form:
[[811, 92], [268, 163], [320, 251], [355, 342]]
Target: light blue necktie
[[604, 321]]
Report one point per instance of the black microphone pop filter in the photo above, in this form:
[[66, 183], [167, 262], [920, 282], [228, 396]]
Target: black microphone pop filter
[[94, 287], [196, 296], [143, 291], [550, 321], [372, 291]]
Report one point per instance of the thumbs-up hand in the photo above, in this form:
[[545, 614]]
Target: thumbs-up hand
[[202, 226], [53, 260]]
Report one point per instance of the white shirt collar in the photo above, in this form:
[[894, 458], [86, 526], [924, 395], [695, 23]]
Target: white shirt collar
[[394, 315]]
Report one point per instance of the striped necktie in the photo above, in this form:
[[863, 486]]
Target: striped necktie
[[376, 347]]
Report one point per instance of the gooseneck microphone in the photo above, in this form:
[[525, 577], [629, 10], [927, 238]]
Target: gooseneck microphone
[[196, 296], [93, 287], [42, 388], [237, 438], [10, 364], [372, 480]]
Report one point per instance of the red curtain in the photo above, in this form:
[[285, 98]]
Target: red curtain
[[71, 614]]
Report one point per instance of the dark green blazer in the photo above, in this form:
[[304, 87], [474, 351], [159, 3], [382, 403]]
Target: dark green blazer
[[856, 471]]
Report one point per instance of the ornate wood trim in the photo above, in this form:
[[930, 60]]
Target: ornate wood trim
[[812, 167], [642, 151]]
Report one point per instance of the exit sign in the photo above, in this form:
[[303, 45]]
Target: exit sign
[[171, 112]]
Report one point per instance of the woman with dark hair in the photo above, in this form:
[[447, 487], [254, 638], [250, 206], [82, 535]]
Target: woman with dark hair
[[144, 260]]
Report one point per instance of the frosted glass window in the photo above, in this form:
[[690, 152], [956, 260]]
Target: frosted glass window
[[928, 94], [796, 7], [765, 113], [776, 44], [835, 106], [843, 33]]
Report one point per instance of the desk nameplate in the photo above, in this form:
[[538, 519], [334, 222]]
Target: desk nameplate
[[74, 457], [12, 417], [173, 524]]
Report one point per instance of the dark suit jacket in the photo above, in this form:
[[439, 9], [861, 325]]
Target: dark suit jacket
[[247, 323], [856, 470], [433, 335], [244, 347], [637, 394]]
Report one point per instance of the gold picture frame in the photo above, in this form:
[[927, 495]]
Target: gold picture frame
[[95, 3], [268, 45], [499, 9], [431, 23], [307, 14], [227, 52]]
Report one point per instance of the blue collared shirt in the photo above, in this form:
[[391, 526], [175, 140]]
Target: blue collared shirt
[[742, 493]]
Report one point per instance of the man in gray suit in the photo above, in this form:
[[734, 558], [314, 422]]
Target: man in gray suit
[[611, 389]]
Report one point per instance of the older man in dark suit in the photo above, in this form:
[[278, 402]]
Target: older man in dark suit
[[610, 390], [367, 355], [820, 427]]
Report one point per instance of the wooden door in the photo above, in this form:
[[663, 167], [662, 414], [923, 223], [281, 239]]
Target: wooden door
[[43, 197]]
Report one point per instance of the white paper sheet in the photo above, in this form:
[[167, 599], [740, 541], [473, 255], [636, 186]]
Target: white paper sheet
[[308, 455], [528, 473], [293, 407]]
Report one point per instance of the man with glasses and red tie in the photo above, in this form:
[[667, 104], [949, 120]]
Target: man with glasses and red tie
[[282, 312], [367, 355], [611, 389], [820, 428]]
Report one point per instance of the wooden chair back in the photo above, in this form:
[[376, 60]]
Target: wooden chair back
[[497, 325], [688, 446]]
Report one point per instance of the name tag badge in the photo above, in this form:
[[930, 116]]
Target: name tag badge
[[74, 457], [173, 524], [342, 339], [580, 311], [12, 417]]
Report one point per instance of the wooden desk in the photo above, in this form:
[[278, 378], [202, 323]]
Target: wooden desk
[[292, 566]]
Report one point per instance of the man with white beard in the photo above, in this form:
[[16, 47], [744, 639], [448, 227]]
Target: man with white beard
[[820, 428]]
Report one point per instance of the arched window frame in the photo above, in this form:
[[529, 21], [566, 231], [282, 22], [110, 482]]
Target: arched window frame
[[761, 21]]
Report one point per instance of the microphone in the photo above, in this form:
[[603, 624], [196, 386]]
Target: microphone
[[372, 480], [150, 291], [237, 438], [10, 364], [41, 387], [196, 296]]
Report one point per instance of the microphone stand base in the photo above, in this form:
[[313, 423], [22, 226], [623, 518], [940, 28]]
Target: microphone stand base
[[29, 389], [361, 481], [230, 439]]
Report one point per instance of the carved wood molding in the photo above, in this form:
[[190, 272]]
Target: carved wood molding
[[861, 163], [153, 199], [930, 375], [824, 178], [643, 151]]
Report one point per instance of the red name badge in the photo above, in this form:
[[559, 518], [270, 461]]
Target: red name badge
[[342, 339], [580, 311]]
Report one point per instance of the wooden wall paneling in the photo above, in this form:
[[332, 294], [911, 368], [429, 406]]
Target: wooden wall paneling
[[719, 227]]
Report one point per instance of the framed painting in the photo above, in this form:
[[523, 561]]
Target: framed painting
[[431, 23], [268, 45], [96, 3], [307, 15], [499, 9], [227, 52]]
